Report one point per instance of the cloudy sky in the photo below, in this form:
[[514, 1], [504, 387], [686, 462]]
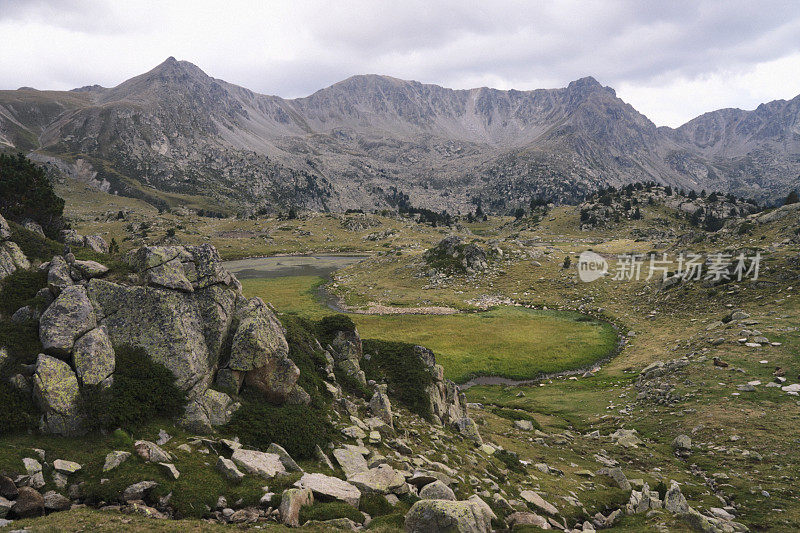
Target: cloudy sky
[[672, 60]]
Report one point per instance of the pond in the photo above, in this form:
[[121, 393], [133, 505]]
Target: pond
[[290, 265]]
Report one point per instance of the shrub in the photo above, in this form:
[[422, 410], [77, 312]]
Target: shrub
[[20, 288], [510, 459], [375, 505], [330, 511], [21, 340], [328, 326], [26, 192], [514, 414], [33, 245], [404, 372], [142, 390], [298, 428], [18, 413], [309, 359]]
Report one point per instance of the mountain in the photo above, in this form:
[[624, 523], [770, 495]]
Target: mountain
[[175, 133]]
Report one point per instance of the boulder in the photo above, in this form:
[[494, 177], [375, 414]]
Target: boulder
[[292, 500], [55, 388], [380, 406], [527, 519], [434, 516], [617, 475], [437, 491], [151, 452], [453, 255], [351, 460], [5, 229], [5, 508], [286, 459], [11, 259], [87, 270], [93, 357], [209, 409], [58, 275], [95, 243], [228, 469], [68, 317], [468, 429], [29, 504], [381, 480], [674, 500], [7, 488], [266, 465], [114, 459], [682, 443], [169, 470], [538, 502], [70, 237], [66, 467], [54, 501], [138, 491], [328, 487]]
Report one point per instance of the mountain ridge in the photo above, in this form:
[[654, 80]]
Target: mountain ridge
[[362, 141]]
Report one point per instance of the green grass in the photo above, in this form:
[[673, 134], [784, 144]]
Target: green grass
[[511, 342]]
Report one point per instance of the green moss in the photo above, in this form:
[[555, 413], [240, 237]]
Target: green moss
[[375, 505], [404, 372], [142, 390], [330, 511], [18, 413]]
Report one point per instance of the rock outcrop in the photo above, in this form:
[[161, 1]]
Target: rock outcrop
[[452, 255], [11, 257]]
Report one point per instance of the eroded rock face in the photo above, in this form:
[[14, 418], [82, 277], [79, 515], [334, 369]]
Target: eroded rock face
[[55, 387], [93, 357]]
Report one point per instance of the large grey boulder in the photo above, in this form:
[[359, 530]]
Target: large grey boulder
[[138, 491], [434, 516], [351, 459], [11, 259], [381, 480], [266, 465], [292, 500], [286, 459], [437, 491], [93, 357], [55, 387], [58, 275], [152, 452], [330, 488], [381, 407], [29, 504], [229, 470], [674, 500], [210, 408], [96, 243], [68, 317]]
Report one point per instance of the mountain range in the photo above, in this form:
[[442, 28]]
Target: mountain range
[[370, 142]]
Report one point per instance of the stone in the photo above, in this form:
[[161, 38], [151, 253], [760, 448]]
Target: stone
[[151, 452], [351, 460], [330, 487], [527, 519], [58, 275], [292, 500], [209, 409], [322, 458], [266, 465], [538, 502], [87, 270], [354, 432], [54, 501], [60, 480], [114, 459], [66, 467], [617, 475], [32, 466], [433, 516], [5, 229], [5, 508], [7, 488], [627, 438], [169, 470], [381, 408], [11, 259], [682, 443], [381, 480], [228, 469], [55, 388], [524, 425], [437, 491], [68, 317], [288, 463], [138, 491], [29, 504], [93, 357], [674, 500], [96, 243], [468, 429]]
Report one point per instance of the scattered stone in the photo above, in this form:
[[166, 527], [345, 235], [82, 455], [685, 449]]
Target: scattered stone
[[66, 467], [151, 452], [229, 470], [428, 516], [538, 502], [114, 459], [617, 475], [169, 470], [286, 459], [54, 501], [382, 480], [266, 465], [292, 500], [351, 460], [527, 519], [437, 491], [137, 491], [524, 425], [330, 487]]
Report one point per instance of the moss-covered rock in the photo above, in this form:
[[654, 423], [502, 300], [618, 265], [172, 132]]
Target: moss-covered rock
[[55, 388]]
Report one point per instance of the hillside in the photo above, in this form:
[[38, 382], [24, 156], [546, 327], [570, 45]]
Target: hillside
[[174, 134]]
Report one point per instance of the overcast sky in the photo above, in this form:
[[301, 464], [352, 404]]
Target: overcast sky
[[671, 60]]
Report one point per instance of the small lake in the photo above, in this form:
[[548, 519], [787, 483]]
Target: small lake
[[290, 265]]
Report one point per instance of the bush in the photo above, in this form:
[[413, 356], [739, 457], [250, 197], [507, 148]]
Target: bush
[[18, 413], [26, 192], [404, 372], [514, 414], [21, 340], [330, 325], [298, 428], [375, 505], [33, 245], [330, 511], [142, 390], [309, 359], [19, 289]]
